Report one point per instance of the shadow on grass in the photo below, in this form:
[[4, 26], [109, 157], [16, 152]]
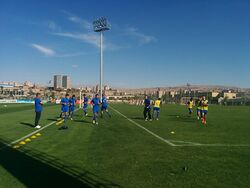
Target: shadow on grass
[[83, 121], [52, 119], [27, 124], [138, 118], [36, 169], [182, 118]]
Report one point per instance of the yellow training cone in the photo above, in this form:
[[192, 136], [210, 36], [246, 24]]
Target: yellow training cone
[[33, 137], [16, 146], [22, 143], [38, 134], [27, 140], [60, 122]]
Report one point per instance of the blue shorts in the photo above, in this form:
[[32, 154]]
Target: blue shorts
[[104, 108], [95, 110], [65, 109], [157, 109], [85, 106], [190, 110], [204, 112], [71, 109]]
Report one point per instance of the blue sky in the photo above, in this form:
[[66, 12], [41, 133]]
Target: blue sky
[[151, 43]]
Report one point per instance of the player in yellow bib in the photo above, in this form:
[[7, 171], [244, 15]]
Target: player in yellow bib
[[190, 106], [156, 110], [204, 110]]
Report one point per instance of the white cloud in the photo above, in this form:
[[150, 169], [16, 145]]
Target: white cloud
[[142, 38], [83, 23], [75, 19], [53, 26], [90, 38], [74, 66], [45, 50]]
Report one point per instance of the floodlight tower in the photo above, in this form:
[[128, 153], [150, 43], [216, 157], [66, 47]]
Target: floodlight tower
[[100, 25]]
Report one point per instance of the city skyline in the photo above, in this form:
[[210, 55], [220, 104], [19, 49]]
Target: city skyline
[[165, 43]]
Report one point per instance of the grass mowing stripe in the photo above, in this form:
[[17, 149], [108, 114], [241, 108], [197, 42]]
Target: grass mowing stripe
[[140, 126]]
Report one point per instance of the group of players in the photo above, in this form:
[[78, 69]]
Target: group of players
[[148, 106], [201, 103], [68, 104], [202, 108], [68, 107]]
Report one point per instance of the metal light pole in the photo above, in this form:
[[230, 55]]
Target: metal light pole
[[80, 93], [101, 25], [101, 64]]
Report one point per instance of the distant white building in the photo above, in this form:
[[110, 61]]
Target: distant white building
[[61, 81]]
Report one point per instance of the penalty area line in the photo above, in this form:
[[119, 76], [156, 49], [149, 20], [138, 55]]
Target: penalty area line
[[180, 142], [145, 129], [214, 145]]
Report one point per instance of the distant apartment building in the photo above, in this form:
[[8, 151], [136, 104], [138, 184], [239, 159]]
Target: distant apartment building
[[61, 81], [65, 81]]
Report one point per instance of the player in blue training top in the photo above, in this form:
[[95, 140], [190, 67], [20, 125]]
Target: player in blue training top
[[38, 110], [72, 103], [104, 106], [85, 104], [147, 109], [65, 109], [95, 102]]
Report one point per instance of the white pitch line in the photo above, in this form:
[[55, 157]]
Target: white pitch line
[[30, 134], [185, 143], [145, 129], [215, 145]]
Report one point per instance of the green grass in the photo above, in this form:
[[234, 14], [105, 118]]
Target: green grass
[[117, 153]]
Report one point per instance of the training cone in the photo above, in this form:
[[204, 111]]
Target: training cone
[[27, 140], [38, 134], [16, 146], [33, 137], [22, 143]]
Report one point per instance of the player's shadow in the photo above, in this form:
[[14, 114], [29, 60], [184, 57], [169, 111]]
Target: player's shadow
[[36, 169], [138, 118], [27, 124], [82, 121], [52, 119], [182, 118]]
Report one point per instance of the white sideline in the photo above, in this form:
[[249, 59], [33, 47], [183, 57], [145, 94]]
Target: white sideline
[[30, 134], [145, 129]]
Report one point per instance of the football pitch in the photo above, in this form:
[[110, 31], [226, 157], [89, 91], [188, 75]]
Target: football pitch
[[124, 150]]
